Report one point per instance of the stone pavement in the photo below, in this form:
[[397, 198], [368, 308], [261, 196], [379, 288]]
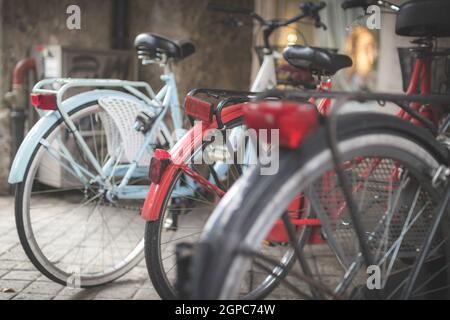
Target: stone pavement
[[20, 280]]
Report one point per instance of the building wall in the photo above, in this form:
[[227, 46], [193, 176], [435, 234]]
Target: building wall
[[27, 23], [223, 57]]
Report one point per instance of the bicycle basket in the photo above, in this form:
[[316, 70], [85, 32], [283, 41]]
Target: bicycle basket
[[123, 142], [440, 69]]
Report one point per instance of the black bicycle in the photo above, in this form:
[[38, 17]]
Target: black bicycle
[[360, 206]]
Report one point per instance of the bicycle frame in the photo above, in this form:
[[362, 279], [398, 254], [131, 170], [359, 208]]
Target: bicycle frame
[[421, 74], [266, 76]]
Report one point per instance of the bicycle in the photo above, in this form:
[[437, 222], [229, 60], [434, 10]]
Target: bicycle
[[85, 156], [166, 203], [371, 186]]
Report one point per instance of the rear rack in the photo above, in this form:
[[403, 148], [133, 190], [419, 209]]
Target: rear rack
[[226, 97], [220, 93], [435, 99], [64, 84]]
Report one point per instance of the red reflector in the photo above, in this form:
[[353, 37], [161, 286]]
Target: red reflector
[[159, 163], [294, 121], [43, 101], [199, 109]]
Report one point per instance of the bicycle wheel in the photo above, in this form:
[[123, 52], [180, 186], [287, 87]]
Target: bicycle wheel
[[390, 164], [187, 206], [70, 228]]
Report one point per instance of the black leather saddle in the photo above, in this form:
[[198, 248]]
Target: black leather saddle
[[424, 18], [152, 44], [317, 60]]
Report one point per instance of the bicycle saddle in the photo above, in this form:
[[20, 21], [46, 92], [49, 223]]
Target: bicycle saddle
[[153, 44], [424, 18], [317, 60]]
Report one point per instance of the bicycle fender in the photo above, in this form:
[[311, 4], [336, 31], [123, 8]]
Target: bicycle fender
[[41, 128], [179, 154]]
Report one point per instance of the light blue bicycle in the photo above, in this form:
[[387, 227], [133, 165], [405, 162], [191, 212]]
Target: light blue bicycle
[[87, 159]]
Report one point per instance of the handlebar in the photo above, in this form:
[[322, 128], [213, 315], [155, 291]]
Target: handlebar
[[311, 9], [308, 9]]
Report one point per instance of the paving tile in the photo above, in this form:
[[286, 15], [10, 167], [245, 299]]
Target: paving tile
[[60, 297], [6, 244], [7, 296], [3, 272], [78, 294], [146, 294], [147, 284], [138, 275], [43, 288], [15, 254], [114, 292], [16, 285], [43, 278], [27, 296], [25, 265], [66, 291], [7, 264], [21, 275]]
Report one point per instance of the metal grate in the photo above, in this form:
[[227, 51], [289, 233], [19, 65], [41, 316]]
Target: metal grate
[[375, 187]]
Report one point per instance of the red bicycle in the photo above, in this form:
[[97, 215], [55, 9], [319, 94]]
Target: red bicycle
[[189, 180], [184, 191]]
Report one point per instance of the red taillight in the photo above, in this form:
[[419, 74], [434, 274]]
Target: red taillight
[[159, 162], [43, 101], [199, 109], [294, 120]]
